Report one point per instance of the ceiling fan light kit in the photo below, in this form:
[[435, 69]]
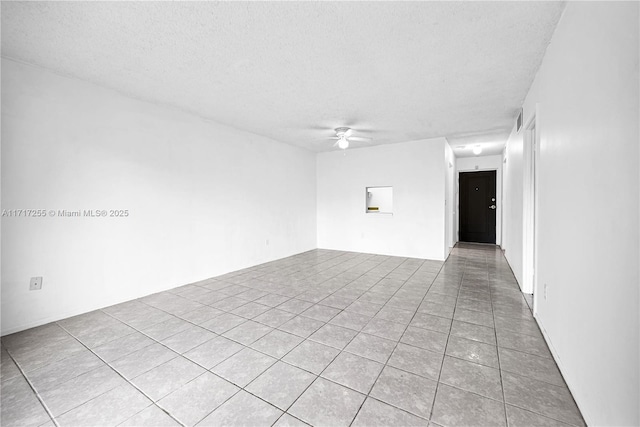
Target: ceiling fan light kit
[[343, 134], [343, 143]]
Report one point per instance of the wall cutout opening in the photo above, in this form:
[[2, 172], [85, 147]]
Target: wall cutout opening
[[379, 200]]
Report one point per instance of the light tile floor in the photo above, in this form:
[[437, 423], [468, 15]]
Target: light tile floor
[[325, 338]]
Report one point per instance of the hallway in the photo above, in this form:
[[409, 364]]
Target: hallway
[[323, 338]]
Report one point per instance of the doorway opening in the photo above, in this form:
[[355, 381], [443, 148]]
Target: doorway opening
[[477, 219]]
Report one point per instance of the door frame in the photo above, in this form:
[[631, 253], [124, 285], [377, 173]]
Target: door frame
[[498, 170], [530, 211]]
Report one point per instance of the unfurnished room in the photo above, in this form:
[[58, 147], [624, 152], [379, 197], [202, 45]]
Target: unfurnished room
[[320, 213]]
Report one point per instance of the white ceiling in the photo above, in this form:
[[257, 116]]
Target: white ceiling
[[293, 71]]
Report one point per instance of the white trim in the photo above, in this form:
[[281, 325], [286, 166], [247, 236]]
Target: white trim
[[529, 209]]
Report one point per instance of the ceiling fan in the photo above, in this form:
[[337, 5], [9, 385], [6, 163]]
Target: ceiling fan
[[344, 135]]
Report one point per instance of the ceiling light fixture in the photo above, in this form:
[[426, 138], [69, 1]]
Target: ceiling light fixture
[[477, 150], [343, 142]]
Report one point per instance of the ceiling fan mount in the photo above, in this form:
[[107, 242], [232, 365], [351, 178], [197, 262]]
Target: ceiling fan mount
[[344, 131]]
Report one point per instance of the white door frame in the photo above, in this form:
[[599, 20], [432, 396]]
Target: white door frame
[[531, 154]]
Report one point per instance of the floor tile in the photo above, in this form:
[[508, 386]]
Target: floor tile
[[229, 304], [242, 409], [8, 368], [251, 310], [426, 339], [188, 339], [272, 300], [417, 361], [523, 343], [528, 365], [287, 420], [431, 322], [378, 414], [222, 323], [163, 379], [243, 367], [301, 326], [281, 384], [108, 409], [334, 336], [364, 308], [473, 332], [295, 306], [198, 398], [274, 317], [336, 301], [213, 352], [385, 329], [143, 360], [137, 315], [123, 346], [473, 351], [20, 406], [165, 329], [542, 398], [371, 347], [522, 418], [54, 374], [379, 309], [455, 407], [394, 314], [320, 312], [34, 356], [81, 389], [521, 326], [475, 317], [311, 356], [436, 309], [248, 332], [201, 315], [277, 343], [405, 390], [152, 416], [327, 404], [472, 377], [350, 320], [252, 294], [353, 371], [474, 305]]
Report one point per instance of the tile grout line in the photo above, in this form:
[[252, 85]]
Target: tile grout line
[[153, 402], [385, 364], [277, 360], [33, 389], [435, 392]]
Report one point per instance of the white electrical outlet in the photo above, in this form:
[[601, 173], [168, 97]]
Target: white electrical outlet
[[545, 291], [35, 284], [267, 242]]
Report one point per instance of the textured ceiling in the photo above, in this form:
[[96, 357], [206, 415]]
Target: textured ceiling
[[293, 71]]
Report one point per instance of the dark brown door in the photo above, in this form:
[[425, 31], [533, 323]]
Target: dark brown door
[[478, 207]]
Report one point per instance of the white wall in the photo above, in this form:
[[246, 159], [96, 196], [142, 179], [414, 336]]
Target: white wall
[[586, 95], [416, 172], [513, 212], [484, 163], [203, 198], [451, 221]]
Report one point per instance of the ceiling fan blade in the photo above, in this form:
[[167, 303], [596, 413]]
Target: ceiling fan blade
[[360, 138]]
